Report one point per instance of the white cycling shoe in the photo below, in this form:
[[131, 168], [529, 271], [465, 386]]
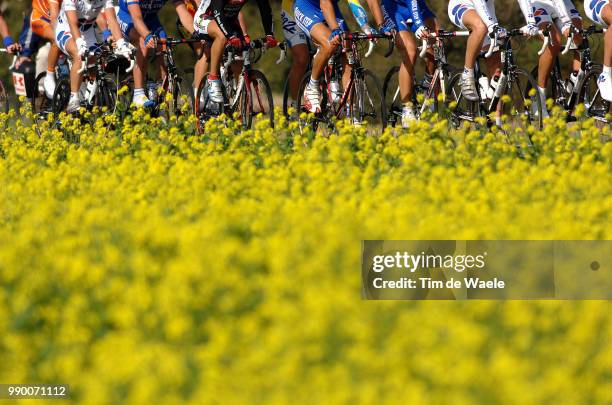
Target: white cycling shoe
[[73, 106], [49, 86], [311, 100], [214, 91], [604, 82], [468, 87]]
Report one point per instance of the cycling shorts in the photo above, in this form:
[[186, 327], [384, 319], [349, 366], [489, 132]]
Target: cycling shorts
[[151, 21], [457, 8], [39, 21], [594, 8], [62, 34], [202, 19], [545, 11], [399, 14], [292, 33], [307, 15]]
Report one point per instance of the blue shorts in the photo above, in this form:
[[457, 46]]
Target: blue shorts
[[151, 21], [307, 15], [400, 13]]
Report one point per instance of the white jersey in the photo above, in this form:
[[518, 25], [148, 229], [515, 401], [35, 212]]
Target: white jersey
[[87, 10]]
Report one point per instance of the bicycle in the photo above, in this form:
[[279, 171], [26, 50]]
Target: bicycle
[[40, 102], [429, 89], [588, 92], [362, 100], [174, 81], [98, 88], [4, 98], [523, 109], [247, 93], [562, 91]]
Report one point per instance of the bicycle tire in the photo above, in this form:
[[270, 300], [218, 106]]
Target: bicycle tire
[[595, 106], [40, 102], [181, 87], [391, 95], [312, 120], [464, 110], [201, 107], [61, 96], [5, 104], [533, 116], [363, 95], [260, 104]]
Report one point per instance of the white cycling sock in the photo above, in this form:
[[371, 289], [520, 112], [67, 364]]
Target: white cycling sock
[[74, 95], [51, 74], [313, 84], [607, 70], [468, 71], [138, 93]]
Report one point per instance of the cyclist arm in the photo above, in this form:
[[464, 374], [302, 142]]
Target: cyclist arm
[[243, 24], [4, 31], [374, 6], [73, 19], [527, 9], [327, 7], [137, 18], [266, 16], [111, 19], [184, 15]]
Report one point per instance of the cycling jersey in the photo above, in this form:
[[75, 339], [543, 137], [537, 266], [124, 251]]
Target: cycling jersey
[[398, 12], [486, 11], [149, 9], [41, 16], [292, 33], [594, 8], [225, 14], [28, 39], [87, 12]]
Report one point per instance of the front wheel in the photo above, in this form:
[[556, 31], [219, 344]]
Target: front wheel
[[203, 107], [367, 103], [393, 100], [260, 97], [61, 96], [595, 106]]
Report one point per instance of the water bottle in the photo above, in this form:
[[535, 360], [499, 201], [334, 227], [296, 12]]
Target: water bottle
[[493, 86], [336, 93], [483, 84]]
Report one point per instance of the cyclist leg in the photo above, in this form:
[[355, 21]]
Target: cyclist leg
[[600, 12], [431, 23], [463, 14], [312, 22], [204, 24], [41, 26], [397, 16], [544, 13], [300, 54]]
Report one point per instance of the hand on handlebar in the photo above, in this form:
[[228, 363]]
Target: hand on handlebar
[[150, 40], [422, 32], [234, 42], [334, 37], [531, 30], [387, 28], [271, 42]]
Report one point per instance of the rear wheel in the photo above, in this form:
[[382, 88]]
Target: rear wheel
[[61, 96], [461, 109], [182, 93], [595, 106], [106, 96], [261, 98], [40, 102], [307, 120], [203, 107], [4, 100], [524, 108]]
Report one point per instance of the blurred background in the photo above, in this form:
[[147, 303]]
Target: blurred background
[[508, 13]]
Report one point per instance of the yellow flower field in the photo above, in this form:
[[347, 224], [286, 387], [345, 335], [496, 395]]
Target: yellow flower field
[[142, 263]]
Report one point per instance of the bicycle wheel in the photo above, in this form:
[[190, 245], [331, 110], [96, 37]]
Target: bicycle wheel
[[367, 101], [524, 108], [595, 106], [4, 100], [312, 121], [61, 96], [391, 92], [461, 109], [261, 97], [106, 96], [40, 102], [286, 99], [182, 93], [203, 107]]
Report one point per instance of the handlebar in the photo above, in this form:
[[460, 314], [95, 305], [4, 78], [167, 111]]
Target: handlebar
[[569, 42], [440, 34], [492, 45]]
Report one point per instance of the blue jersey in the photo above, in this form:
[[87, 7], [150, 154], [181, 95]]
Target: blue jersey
[[147, 7]]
